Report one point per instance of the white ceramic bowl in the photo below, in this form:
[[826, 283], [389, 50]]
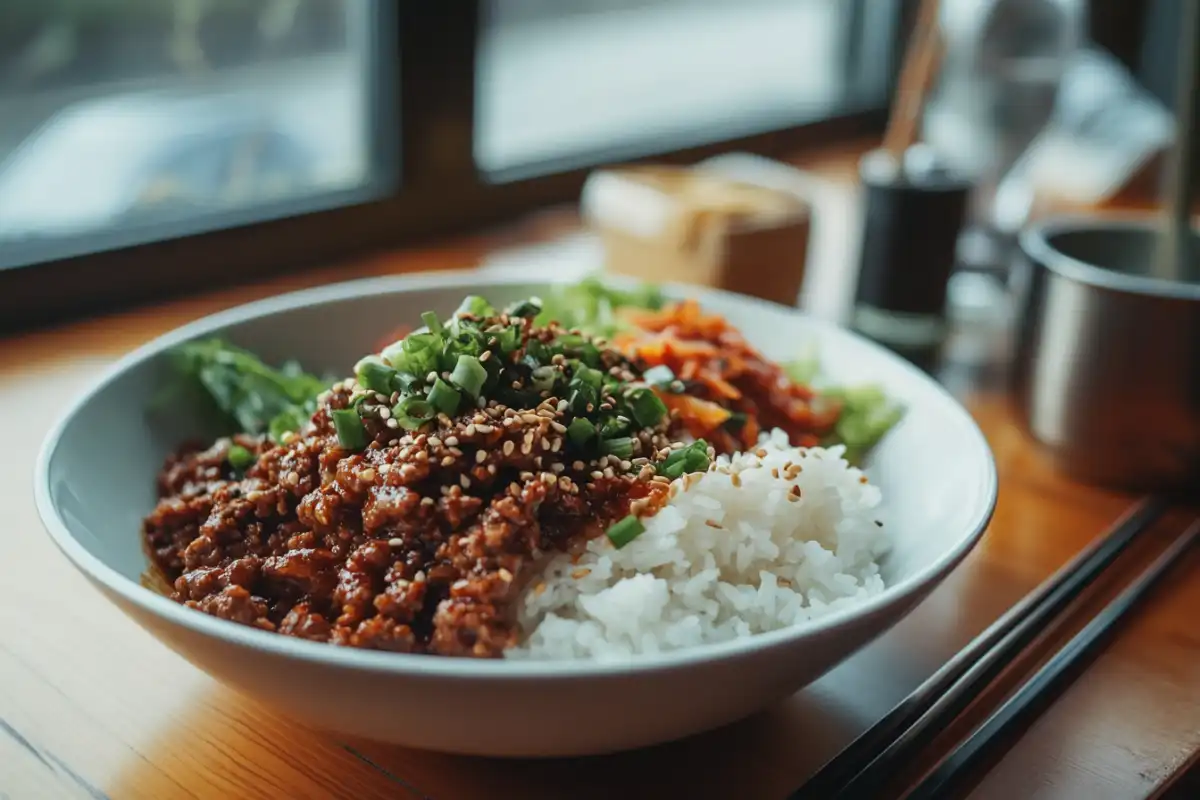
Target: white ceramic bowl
[[95, 481]]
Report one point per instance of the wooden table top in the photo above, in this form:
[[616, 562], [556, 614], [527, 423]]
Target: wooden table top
[[93, 706]]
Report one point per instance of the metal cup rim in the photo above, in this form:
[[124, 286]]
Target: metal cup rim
[[1035, 242]]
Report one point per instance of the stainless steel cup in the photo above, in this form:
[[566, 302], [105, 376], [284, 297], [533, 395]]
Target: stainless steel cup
[[1107, 368]]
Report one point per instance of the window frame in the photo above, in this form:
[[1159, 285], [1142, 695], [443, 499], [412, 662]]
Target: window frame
[[421, 85]]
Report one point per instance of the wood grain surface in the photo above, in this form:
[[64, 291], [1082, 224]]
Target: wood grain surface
[[92, 706]]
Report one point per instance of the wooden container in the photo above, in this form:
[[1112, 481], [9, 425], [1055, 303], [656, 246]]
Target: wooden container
[[690, 226]]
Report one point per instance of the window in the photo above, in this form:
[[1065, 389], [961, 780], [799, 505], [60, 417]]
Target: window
[[153, 146], [591, 80], [121, 118]]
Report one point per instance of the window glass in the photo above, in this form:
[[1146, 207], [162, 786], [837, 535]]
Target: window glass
[[126, 113], [582, 81]]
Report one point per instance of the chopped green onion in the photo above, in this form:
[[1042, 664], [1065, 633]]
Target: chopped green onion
[[623, 532], [621, 447], [419, 342], [658, 376], [375, 375], [646, 408], [581, 398], [393, 353], [570, 340], [537, 350], [432, 322], [590, 354], [693, 458], [509, 339], [476, 306], [613, 427], [413, 412], [469, 375], [239, 457], [349, 426], [580, 431], [588, 376], [416, 354], [543, 378], [525, 308], [444, 397]]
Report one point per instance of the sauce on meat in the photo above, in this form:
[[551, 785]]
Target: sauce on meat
[[419, 543]]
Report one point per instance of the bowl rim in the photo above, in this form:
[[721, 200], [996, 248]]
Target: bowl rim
[[379, 662], [1035, 243]]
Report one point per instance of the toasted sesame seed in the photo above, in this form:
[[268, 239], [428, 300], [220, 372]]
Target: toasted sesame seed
[[712, 523], [578, 466], [396, 542], [448, 461], [545, 443], [470, 430], [558, 467], [608, 473], [526, 447], [525, 475], [529, 419], [392, 424], [597, 474], [465, 481], [426, 501], [431, 377], [562, 406], [384, 413], [508, 447], [555, 445], [452, 441], [485, 355], [454, 451], [293, 478], [735, 479], [480, 456], [549, 478], [434, 442], [367, 475]]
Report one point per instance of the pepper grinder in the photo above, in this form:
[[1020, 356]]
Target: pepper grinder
[[914, 212], [915, 207]]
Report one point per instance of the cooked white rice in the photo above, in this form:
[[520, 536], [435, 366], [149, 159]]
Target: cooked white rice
[[729, 556]]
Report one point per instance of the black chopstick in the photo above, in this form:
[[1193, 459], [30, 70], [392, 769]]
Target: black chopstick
[[868, 760], [1046, 683]]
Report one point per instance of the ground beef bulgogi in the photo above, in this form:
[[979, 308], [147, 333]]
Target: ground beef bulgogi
[[419, 540]]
